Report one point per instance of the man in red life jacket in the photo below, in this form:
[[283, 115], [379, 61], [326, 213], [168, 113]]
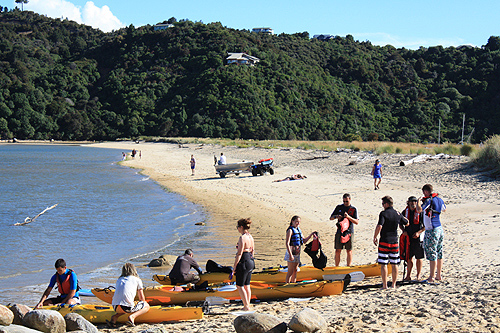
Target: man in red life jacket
[[344, 236], [413, 212], [67, 285]]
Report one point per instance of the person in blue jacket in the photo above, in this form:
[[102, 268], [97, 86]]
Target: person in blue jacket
[[377, 174], [67, 285], [433, 206], [294, 241]]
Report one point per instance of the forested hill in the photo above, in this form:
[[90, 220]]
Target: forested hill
[[62, 80]]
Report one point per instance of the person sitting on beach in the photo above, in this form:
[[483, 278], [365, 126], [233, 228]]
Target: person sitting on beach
[[180, 272], [128, 286], [413, 231], [222, 159], [293, 243], [292, 177], [388, 249], [433, 206], [377, 174], [344, 239], [67, 284]]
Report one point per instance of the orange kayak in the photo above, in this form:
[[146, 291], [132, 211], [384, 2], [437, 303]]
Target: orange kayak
[[279, 275], [260, 290]]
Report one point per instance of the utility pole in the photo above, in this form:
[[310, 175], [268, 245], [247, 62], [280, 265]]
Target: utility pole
[[439, 133], [463, 125]]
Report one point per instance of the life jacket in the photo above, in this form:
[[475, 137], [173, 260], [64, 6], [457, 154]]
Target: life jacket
[[404, 247], [345, 235], [64, 285], [296, 239], [315, 244], [416, 216]]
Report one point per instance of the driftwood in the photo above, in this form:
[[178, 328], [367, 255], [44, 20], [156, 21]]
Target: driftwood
[[424, 158], [29, 219]]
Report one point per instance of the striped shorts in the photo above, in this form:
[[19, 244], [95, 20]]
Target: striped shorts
[[388, 254]]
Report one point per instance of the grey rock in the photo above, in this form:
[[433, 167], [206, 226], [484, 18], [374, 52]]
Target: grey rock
[[17, 329], [19, 311], [308, 320], [154, 330], [259, 323], [6, 316], [162, 261], [75, 322], [47, 321]]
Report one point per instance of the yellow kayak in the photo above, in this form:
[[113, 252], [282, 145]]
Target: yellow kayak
[[98, 314], [279, 275], [260, 290]]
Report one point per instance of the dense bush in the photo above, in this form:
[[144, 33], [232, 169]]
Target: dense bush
[[488, 157], [62, 80]]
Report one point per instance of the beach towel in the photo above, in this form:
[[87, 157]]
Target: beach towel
[[345, 235], [313, 249]]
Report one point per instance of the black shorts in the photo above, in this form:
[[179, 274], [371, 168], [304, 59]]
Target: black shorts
[[339, 245], [131, 309], [244, 269], [416, 249], [59, 299]]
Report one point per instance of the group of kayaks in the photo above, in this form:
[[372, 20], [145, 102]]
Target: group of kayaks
[[268, 284]]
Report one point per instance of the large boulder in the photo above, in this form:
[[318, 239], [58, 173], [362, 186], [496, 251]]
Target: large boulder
[[17, 329], [163, 261], [75, 322], [47, 321], [6, 316], [308, 320], [19, 311], [259, 323]]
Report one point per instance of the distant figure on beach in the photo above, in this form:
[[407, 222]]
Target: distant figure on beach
[[413, 231], [124, 156], [433, 206], [193, 164], [134, 152], [128, 286], [377, 174], [243, 262], [180, 272], [292, 177], [222, 159], [388, 247], [67, 285], [293, 243], [346, 216]]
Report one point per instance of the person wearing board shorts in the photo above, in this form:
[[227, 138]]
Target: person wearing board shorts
[[128, 286], [433, 206], [344, 237], [388, 249]]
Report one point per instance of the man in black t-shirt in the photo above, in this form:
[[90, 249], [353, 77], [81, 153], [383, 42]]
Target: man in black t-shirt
[[180, 272], [414, 231], [343, 239], [388, 248]]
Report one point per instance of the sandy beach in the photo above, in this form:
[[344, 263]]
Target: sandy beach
[[466, 301]]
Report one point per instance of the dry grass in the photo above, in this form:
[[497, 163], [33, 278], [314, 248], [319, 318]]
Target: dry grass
[[378, 147], [488, 157]]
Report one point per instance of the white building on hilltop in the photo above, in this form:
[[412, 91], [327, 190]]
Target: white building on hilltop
[[241, 59], [263, 30]]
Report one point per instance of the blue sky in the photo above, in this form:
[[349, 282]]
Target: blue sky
[[409, 24]]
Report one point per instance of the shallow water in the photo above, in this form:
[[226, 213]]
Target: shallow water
[[106, 215]]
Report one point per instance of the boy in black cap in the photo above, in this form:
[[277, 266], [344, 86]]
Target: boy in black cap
[[413, 212]]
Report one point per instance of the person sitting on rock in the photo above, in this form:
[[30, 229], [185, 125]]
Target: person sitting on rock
[[67, 284]]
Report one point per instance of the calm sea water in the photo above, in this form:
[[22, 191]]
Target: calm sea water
[[107, 214]]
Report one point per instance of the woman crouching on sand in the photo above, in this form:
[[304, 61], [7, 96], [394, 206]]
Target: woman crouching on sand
[[293, 242], [243, 262]]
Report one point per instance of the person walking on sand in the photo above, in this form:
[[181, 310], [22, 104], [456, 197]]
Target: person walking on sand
[[413, 232], [377, 174], [128, 286], [193, 164], [293, 243], [67, 284], [346, 216], [388, 250], [433, 206], [243, 262]]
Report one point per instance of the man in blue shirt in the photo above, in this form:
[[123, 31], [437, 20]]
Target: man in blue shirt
[[67, 284]]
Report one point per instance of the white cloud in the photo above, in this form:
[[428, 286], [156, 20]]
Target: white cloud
[[383, 39], [99, 18]]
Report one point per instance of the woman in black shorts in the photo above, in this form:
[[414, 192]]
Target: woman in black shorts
[[243, 263]]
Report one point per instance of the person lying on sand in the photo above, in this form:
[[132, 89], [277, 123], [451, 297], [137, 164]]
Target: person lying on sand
[[292, 177]]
